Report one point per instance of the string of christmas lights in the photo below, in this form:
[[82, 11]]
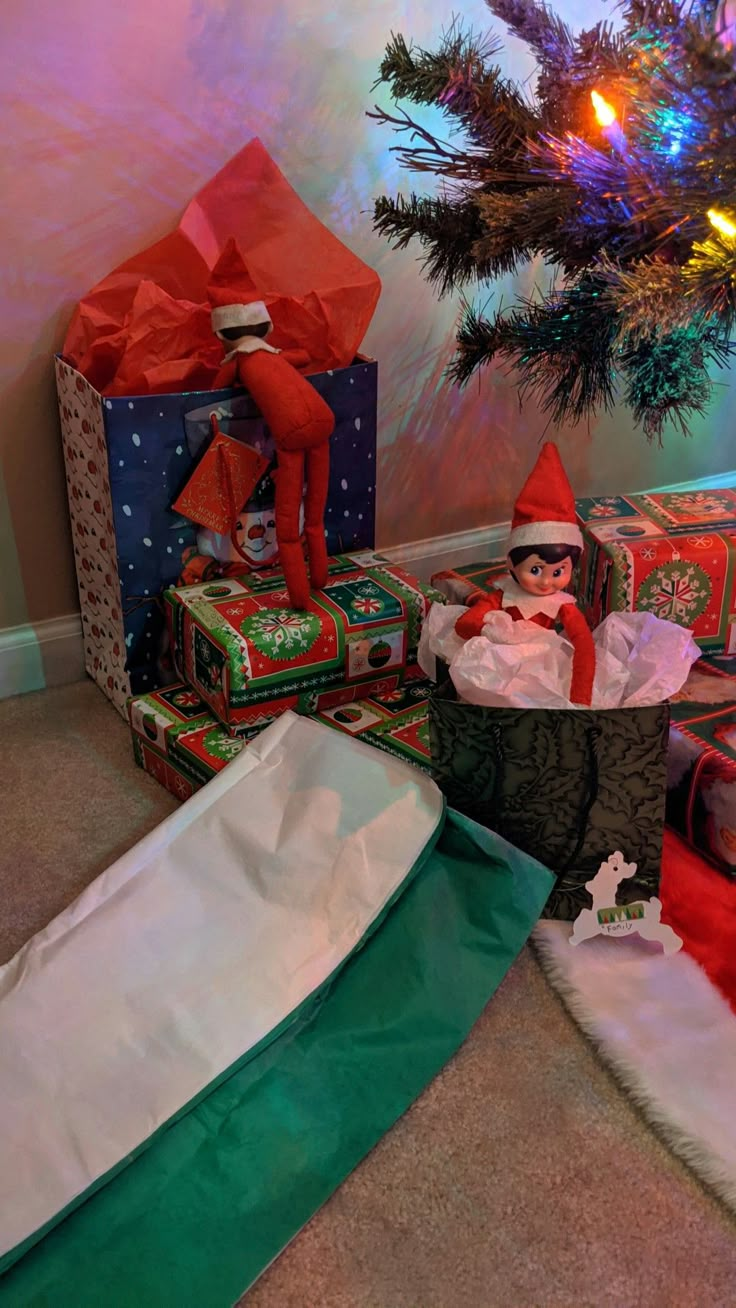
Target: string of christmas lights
[[620, 171]]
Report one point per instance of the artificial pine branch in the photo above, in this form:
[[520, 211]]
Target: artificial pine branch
[[478, 342], [520, 225], [545, 33], [446, 229], [667, 377], [624, 211], [435, 156], [645, 295], [709, 277], [560, 348], [459, 79], [421, 75]]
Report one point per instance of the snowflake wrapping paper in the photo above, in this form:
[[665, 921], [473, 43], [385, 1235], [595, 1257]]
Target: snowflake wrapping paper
[[127, 459], [182, 745], [250, 657], [672, 554], [177, 740]]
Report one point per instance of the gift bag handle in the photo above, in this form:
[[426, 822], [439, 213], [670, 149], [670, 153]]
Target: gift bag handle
[[592, 735], [700, 765]]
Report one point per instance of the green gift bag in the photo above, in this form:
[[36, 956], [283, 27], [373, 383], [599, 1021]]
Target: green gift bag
[[568, 786]]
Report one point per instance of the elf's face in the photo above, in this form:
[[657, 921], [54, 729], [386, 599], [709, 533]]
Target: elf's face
[[540, 578]]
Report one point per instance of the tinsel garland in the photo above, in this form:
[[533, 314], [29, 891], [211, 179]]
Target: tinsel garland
[[644, 295]]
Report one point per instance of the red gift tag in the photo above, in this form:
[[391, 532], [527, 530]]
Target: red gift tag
[[221, 484]]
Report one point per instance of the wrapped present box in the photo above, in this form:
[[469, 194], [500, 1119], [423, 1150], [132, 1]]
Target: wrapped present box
[[455, 584], [182, 745], [250, 657], [701, 765], [392, 720], [671, 554], [177, 739]]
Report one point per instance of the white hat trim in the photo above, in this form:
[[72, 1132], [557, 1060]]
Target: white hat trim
[[545, 533], [240, 315]]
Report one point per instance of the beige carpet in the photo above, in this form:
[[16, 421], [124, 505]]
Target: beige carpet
[[522, 1178]]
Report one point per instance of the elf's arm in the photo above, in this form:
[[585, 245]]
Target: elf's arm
[[583, 659], [480, 603]]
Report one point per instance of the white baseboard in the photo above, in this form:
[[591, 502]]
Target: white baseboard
[[716, 482], [52, 653], [33, 657], [423, 557], [481, 543]]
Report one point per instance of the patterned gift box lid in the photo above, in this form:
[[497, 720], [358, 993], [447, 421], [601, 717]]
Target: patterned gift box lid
[[663, 513], [249, 647], [394, 720], [162, 715]]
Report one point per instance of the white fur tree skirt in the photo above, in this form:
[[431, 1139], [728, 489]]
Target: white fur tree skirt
[[665, 1032]]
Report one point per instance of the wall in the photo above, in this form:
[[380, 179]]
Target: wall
[[113, 115]]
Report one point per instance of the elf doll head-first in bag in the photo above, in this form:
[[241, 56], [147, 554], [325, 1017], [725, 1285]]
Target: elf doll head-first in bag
[[543, 549]]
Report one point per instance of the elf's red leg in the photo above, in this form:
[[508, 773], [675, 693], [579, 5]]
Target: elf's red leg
[[289, 480], [318, 476]]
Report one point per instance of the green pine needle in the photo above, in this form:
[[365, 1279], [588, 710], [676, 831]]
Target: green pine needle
[[446, 230], [649, 291]]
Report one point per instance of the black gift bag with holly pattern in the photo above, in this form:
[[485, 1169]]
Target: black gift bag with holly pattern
[[568, 786]]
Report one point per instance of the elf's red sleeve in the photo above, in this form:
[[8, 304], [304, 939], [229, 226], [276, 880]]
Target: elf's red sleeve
[[583, 659], [471, 623]]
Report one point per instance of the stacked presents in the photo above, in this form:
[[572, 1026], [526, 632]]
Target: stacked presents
[[244, 656], [199, 455]]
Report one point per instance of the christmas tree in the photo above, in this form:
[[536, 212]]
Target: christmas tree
[[619, 170]]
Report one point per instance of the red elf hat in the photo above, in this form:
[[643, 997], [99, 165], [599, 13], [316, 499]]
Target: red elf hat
[[233, 295], [544, 513]]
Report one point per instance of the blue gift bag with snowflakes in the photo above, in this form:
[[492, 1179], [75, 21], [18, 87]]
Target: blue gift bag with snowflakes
[[126, 461]]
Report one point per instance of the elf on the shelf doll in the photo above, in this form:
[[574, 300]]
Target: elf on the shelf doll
[[544, 547], [299, 420]]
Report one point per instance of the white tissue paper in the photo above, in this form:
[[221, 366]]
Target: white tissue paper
[[640, 660], [438, 639]]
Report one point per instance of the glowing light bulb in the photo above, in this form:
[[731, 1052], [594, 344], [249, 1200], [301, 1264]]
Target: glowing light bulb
[[604, 112], [721, 223]]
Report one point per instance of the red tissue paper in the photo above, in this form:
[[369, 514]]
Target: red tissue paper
[[145, 328]]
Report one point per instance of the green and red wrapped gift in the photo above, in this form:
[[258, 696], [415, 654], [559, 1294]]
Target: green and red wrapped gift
[[177, 739], [182, 745], [670, 553], [250, 657], [455, 584]]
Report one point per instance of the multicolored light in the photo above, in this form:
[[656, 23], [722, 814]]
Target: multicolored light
[[721, 223], [604, 112]]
